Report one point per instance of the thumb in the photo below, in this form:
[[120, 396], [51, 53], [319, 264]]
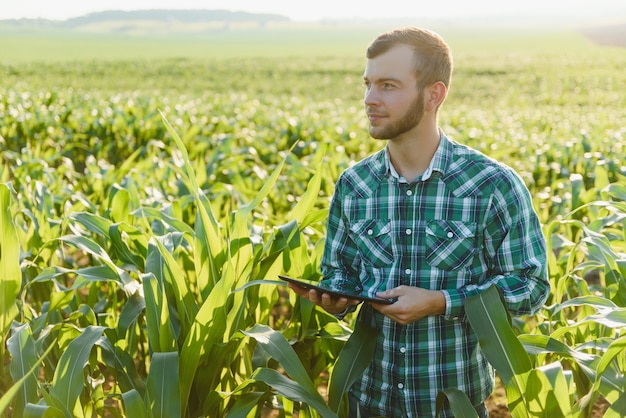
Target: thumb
[[391, 293]]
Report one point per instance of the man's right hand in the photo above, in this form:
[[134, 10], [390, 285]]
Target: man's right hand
[[331, 305]]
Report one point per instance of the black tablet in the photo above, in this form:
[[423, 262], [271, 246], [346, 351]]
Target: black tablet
[[310, 284]]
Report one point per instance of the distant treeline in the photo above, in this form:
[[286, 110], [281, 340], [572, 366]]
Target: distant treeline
[[183, 16]]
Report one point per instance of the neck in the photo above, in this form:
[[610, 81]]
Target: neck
[[412, 153]]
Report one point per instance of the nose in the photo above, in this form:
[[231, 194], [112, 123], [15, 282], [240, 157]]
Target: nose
[[371, 97]]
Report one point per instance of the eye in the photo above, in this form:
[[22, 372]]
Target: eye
[[387, 86]]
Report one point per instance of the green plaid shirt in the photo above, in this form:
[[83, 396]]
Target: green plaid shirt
[[466, 224]]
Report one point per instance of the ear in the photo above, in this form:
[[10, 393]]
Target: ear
[[435, 94]]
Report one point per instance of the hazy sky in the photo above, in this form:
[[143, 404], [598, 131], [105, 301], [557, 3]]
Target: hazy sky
[[321, 9]]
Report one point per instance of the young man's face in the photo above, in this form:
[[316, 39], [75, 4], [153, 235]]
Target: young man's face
[[393, 104]]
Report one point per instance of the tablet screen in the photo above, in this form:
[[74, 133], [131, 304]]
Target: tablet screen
[[310, 284]]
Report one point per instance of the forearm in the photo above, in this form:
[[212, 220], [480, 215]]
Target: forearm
[[522, 294]]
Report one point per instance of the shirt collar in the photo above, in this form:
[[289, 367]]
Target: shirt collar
[[437, 163]]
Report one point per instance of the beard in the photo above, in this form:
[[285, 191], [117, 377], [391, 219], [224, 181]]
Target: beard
[[408, 121]]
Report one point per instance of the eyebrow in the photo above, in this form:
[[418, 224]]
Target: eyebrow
[[383, 80]]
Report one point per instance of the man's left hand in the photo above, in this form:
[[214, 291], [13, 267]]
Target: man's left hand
[[412, 304]]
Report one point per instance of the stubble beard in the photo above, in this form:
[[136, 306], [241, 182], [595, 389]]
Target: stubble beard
[[408, 121]]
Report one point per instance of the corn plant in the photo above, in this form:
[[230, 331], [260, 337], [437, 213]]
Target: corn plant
[[158, 318]]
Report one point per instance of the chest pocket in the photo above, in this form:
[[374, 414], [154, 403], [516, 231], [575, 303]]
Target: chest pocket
[[450, 245], [373, 240]]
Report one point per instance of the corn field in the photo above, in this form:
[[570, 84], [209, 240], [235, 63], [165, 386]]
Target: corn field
[[147, 208]]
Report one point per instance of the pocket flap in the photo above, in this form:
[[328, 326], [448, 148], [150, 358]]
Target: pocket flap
[[371, 227], [445, 229]]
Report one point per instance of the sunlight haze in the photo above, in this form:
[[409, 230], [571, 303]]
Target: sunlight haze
[[327, 9]]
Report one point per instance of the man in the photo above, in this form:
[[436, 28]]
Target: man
[[428, 222]]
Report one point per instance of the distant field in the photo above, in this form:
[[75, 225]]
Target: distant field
[[61, 45], [65, 45]]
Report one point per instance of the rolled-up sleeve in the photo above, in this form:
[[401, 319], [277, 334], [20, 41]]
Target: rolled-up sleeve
[[515, 251]]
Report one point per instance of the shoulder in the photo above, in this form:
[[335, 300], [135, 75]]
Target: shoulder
[[470, 172], [362, 178]]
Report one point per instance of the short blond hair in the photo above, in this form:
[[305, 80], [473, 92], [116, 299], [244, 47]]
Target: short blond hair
[[433, 58]]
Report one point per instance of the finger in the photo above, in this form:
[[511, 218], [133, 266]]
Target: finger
[[341, 303], [314, 297], [329, 302]]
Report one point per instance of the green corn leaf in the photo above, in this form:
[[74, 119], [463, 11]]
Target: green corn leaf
[[540, 344], [117, 234], [260, 282], [596, 302], [601, 177], [612, 318], [293, 390], [120, 360], [161, 334], [236, 314], [67, 383], [245, 404], [208, 329], [21, 346], [488, 318], [175, 223], [208, 251], [10, 273], [6, 398], [599, 248], [458, 401], [314, 217], [163, 386], [284, 237], [617, 191], [562, 389], [60, 300], [306, 204], [615, 349], [133, 404], [240, 245], [92, 222], [179, 295], [91, 247], [206, 226], [617, 408], [516, 399], [130, 312], [547, 392], [609, 317], [119, 200], [352, 361], [43, 411], [85, 276], [275, 344]]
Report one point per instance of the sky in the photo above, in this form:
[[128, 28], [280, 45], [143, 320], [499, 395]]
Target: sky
[[324, 9]]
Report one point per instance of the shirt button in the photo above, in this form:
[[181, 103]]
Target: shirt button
[[407, 271], [409, 192], [450, 234], [408, 231], [400, 385], [402, 350], [370, 232]]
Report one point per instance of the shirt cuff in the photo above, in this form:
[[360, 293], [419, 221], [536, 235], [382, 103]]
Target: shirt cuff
[[455, 301]]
